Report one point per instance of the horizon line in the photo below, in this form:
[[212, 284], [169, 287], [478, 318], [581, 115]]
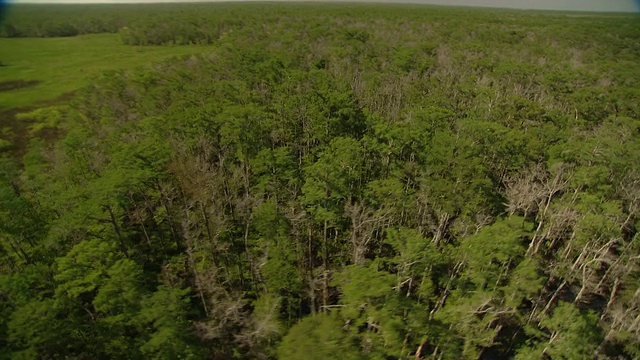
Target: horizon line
[[486, 4]]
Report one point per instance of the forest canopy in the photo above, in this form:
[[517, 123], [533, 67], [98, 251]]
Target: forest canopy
[[330, 182]]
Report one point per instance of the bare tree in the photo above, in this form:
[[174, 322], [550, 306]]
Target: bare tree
[[366, 224]]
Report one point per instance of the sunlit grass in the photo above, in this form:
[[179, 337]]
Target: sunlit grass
[[63, 65]]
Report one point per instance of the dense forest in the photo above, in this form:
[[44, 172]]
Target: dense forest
[[331, 182]]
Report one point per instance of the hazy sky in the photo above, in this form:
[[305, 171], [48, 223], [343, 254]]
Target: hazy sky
[[582, 5]]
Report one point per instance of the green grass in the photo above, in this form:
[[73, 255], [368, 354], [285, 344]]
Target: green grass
[[66, 64]]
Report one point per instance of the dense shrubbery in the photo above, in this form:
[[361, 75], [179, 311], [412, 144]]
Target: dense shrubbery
[[340, 182], [171, 32]]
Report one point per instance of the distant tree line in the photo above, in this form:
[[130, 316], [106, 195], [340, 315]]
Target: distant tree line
[[28, 20], [62, 20]]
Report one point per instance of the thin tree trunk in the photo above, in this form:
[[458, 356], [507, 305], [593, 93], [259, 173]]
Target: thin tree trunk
[[116, 228]]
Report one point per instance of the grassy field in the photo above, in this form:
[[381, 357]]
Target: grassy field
[[52, 67]]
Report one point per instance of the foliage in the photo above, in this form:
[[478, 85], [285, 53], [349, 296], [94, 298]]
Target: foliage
[[324, 181]]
